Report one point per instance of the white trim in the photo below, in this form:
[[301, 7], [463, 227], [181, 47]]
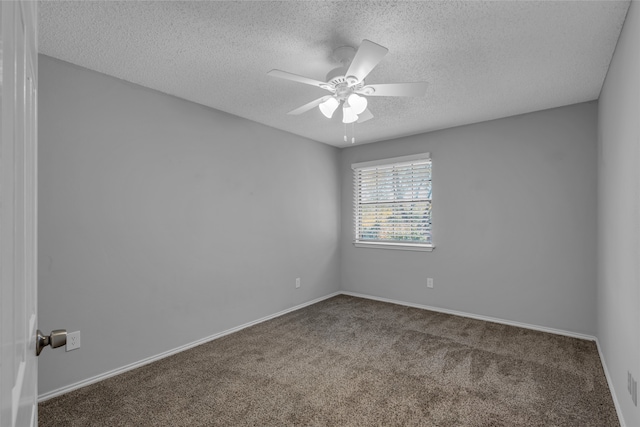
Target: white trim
[[392, 161], [393, 245], [476, 316], [104, 376], [611, 388], [83, 383]]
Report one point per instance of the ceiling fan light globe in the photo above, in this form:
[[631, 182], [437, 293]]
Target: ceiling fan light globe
[[328, 107], [358, 103], [348, 115]]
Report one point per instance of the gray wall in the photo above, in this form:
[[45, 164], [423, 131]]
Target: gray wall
[[619, 214], [514, 217], [162, 222]]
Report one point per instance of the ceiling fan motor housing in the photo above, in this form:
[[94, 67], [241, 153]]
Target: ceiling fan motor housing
[[337, 78], [337, 81]]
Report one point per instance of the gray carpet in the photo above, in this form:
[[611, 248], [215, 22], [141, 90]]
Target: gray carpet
[[353, 362]]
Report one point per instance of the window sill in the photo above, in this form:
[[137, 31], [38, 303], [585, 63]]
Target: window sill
[[396, 246]]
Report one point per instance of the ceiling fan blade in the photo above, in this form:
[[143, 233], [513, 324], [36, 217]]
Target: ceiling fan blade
[[395, 89], [364, 116], [309, 106], [369, 54], [296, 78]]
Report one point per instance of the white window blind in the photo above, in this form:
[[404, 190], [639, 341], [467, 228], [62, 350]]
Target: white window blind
[[392, 202]]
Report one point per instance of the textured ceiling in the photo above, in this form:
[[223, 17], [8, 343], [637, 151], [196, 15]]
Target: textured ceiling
[[483, 60]]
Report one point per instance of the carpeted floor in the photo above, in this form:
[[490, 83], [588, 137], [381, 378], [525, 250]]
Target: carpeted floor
[[353, 362]]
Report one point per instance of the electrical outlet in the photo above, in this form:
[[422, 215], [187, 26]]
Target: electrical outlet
[[429, 282], [73, 340], [297, 282]]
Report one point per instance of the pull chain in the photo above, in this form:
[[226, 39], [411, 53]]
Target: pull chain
[[353, 133]]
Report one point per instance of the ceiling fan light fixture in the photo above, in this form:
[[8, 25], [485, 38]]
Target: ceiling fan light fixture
[[358, 103], [348, 115], [329, 106]]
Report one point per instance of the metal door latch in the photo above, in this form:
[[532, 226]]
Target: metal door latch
[[57, 339]]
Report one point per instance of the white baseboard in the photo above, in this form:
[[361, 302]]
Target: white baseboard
[[613, 390], [88, 381], [476, 316], [512, 323], [95, 379]]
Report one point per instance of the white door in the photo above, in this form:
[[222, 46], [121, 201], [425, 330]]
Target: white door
[[18, 191]]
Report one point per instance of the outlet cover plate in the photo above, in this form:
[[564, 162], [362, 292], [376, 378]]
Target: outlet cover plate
[[73, 340]]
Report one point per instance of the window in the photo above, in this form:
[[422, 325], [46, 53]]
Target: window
[[392, 203]]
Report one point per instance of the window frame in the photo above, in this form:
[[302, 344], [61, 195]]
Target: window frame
[[398, 245]]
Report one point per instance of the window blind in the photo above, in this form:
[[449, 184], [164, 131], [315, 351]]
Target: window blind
[[392, 201]]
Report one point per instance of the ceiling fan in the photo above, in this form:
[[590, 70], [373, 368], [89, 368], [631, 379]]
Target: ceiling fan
[[347, 84]]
